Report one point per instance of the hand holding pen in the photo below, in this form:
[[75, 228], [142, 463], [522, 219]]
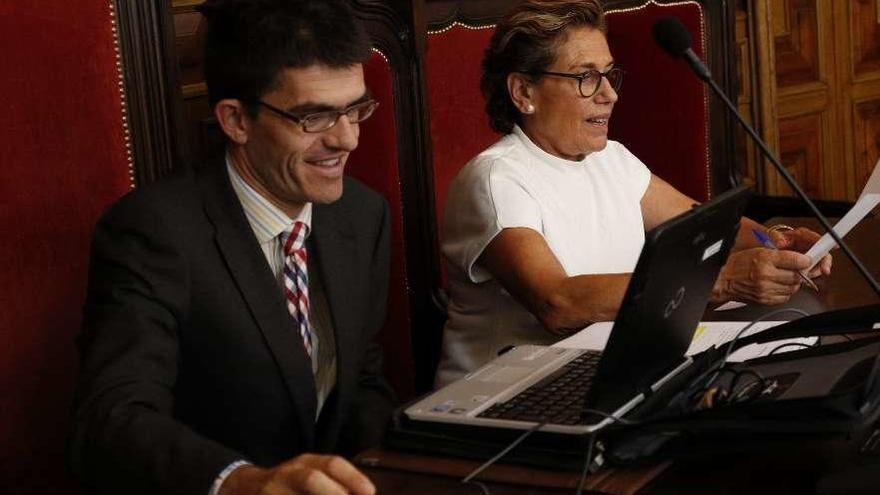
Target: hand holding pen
[[768, 243]]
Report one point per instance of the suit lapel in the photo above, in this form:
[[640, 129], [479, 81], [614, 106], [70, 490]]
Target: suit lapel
[[247, 264], [336, 256]]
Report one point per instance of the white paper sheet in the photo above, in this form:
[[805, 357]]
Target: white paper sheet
[[730, 305], [708, 334], [869, 199]]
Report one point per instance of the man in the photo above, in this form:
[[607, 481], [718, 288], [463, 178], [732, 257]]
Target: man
[[228, 337]]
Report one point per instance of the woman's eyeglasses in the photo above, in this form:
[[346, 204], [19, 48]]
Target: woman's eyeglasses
[[589, 81]]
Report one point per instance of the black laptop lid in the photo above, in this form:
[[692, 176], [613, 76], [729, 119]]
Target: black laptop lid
[[666, 298]]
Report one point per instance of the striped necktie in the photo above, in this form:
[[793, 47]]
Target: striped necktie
[[296, 279]]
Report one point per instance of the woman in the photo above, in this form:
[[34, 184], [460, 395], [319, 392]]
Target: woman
[[543, 229]]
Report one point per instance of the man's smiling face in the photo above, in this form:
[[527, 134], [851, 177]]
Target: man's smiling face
[[285, 164]]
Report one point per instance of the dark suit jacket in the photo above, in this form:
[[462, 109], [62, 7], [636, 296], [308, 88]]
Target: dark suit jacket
[[189, 356]]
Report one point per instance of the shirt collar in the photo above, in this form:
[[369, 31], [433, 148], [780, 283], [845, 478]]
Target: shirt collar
[[266, 220], [538, 152]]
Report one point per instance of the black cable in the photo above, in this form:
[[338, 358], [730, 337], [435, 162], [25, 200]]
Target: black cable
[[760, 318], [709, 396], [592, 437], [480, 485], [538, 426], [692, 396], [613, 418], [504, 451], [747, 327], [701, 384], [587, 461], [733, 394], [736, 376], [789, 344]]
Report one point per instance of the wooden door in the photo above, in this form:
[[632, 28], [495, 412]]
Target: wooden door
[[858, 93], [810, 80]]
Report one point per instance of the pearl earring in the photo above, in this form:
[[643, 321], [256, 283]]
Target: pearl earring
[[530, 108]]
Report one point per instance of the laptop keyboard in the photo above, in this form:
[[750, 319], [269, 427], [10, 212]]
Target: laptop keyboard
[[556, 399]]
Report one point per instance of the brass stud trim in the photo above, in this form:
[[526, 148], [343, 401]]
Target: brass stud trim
[[120, 84]]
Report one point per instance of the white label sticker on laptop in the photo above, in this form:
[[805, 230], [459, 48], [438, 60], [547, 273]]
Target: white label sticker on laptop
[[712, 250]]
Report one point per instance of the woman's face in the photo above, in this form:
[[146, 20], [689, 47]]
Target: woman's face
[[564, 123]]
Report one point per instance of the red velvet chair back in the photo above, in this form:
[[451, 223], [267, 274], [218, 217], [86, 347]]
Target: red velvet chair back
[[662, 115], [64, 153], [375, 162], [459, 126]]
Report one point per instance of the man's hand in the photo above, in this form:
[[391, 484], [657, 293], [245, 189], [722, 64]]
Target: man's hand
[[307, 474], [801, 240], [760, 275]]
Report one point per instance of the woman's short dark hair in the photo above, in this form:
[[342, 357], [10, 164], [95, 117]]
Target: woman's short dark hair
[[249, 42], [526, 41]]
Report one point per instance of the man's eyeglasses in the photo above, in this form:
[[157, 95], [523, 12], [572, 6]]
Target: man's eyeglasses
[[590, 81], [321, 121]]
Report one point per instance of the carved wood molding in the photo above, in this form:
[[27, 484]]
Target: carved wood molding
[[389, 30], [765, 96], [150, 75], [443, 13]]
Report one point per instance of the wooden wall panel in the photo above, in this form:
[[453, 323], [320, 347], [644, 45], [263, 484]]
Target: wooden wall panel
[[859, 92], [866, 36], [189, 32], [866, 138], [801, 150], [814, 69], [803, 116], [796, 41]]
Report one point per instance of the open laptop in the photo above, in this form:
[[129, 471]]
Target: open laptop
[[664, 302]]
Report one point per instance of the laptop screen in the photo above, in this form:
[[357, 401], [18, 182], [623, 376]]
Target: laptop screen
[[666, 298]]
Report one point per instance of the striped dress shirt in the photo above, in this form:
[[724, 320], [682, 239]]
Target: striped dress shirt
[[268, 222]]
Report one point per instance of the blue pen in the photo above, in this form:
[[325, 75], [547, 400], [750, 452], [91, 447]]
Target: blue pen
[[768, 243]]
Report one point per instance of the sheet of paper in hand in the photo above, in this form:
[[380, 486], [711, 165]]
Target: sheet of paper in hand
[[869, 199]]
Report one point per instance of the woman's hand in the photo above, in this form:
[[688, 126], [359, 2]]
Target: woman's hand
[[760, 275], [801, 240]]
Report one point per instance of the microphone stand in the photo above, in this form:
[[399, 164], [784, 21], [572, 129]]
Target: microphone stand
[[791, 182]]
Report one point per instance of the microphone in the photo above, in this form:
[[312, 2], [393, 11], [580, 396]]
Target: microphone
[[674, 38]]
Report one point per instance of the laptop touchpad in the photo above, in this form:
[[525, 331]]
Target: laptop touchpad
[[502, 374]]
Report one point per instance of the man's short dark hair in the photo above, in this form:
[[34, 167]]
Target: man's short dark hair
[[249, 42]]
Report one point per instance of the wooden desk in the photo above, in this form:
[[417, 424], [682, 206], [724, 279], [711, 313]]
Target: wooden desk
[[747, 474], [398, 473], [752, 473]]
